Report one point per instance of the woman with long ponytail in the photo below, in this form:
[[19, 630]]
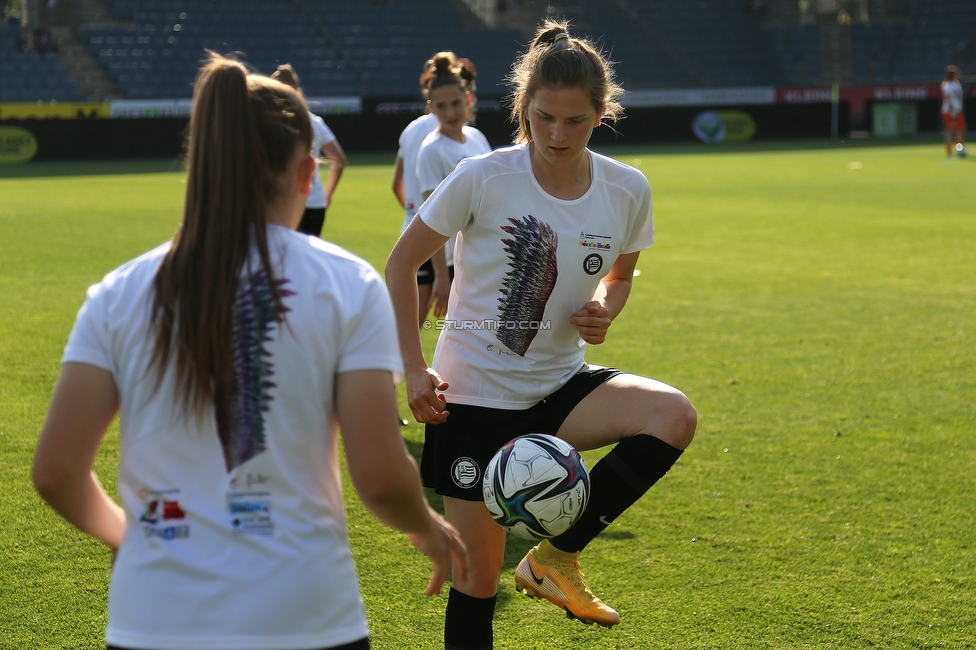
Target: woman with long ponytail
[[232, 355]]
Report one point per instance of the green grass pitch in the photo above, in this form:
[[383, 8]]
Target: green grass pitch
[[816, 303]]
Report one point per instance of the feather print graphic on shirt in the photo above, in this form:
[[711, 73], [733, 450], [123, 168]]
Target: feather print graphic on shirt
[[529, 282], [240, 415]]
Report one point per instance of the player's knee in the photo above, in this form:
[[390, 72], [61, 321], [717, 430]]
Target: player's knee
[[481, 581], [682, 420]]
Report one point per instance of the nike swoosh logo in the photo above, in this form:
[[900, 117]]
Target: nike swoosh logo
[[538, 580], [603, 520]]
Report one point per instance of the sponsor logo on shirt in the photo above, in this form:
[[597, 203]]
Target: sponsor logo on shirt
[[590, 240], [250, 513], [163, 518]]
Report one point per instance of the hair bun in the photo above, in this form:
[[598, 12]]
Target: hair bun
[[443, 64]]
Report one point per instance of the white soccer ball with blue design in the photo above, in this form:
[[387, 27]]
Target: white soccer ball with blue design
[[536, 486], [961, 150]]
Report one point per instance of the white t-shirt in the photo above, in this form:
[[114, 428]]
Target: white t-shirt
[[235, 530], [321, 136], [438, 157], [951, 97], [525, 261], [410, 140]]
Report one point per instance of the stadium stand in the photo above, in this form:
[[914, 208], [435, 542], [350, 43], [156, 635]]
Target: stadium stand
[[157, 55], [375, 49], [875, 48], [934, 35], [32, 77]]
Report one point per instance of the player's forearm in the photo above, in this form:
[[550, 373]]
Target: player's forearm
[[82, 501], [399, 501], [616, 292], [335, 173], [401, 280]]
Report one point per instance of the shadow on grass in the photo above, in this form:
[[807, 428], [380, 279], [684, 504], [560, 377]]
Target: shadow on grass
[[51, 168], [156, 166], [48, 169]]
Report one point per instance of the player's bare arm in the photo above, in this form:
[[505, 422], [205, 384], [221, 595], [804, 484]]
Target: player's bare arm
[[386, 476], [417, 244], [84, 404]]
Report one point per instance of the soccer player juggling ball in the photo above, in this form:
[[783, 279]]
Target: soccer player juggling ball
[[232, 353], [549, 234]]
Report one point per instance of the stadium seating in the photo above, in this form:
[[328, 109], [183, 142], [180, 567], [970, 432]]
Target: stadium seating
[[934, 35], [715, 38], [32, 77], [797, 49], [375, 48], [875, 47]]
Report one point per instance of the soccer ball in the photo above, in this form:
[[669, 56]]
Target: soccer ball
[[961, 150], [536, 486]]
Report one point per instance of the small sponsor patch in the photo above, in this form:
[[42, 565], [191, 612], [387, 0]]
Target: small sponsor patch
[[162, 516], [250, 513], [590, 240]]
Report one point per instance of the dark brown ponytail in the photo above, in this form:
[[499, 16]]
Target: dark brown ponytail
[[245, 132]]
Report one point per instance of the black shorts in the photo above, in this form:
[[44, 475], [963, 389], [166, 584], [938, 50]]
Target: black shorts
[[425, 274], [457, 452], [312, 221]]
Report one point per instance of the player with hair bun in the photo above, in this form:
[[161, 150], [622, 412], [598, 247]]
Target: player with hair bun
[[445, 87], [549, 234], [234, 356], [406, 185]]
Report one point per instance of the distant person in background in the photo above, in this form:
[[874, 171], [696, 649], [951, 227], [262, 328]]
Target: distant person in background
[[26, 41], [44, 40], [406, 185], [235, 356], [449, 100], [324, 144], [952, 114]]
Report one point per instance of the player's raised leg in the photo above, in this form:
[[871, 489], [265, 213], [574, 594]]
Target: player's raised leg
[[652, 423]]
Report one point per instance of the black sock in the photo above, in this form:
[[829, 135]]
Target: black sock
[[616, 483], [467, 624]]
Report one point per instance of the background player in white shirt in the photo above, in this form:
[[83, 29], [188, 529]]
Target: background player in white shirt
[[324, 143], [406, 185], [232, 355], [952, 112], [549, 234], [450, 102]]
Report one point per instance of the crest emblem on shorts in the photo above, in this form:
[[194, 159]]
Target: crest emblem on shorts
[[465, 472]]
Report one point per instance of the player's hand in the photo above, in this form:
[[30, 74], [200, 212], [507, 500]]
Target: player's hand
[[592, 321], [443, 545], [423, 399], [440, 291]]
